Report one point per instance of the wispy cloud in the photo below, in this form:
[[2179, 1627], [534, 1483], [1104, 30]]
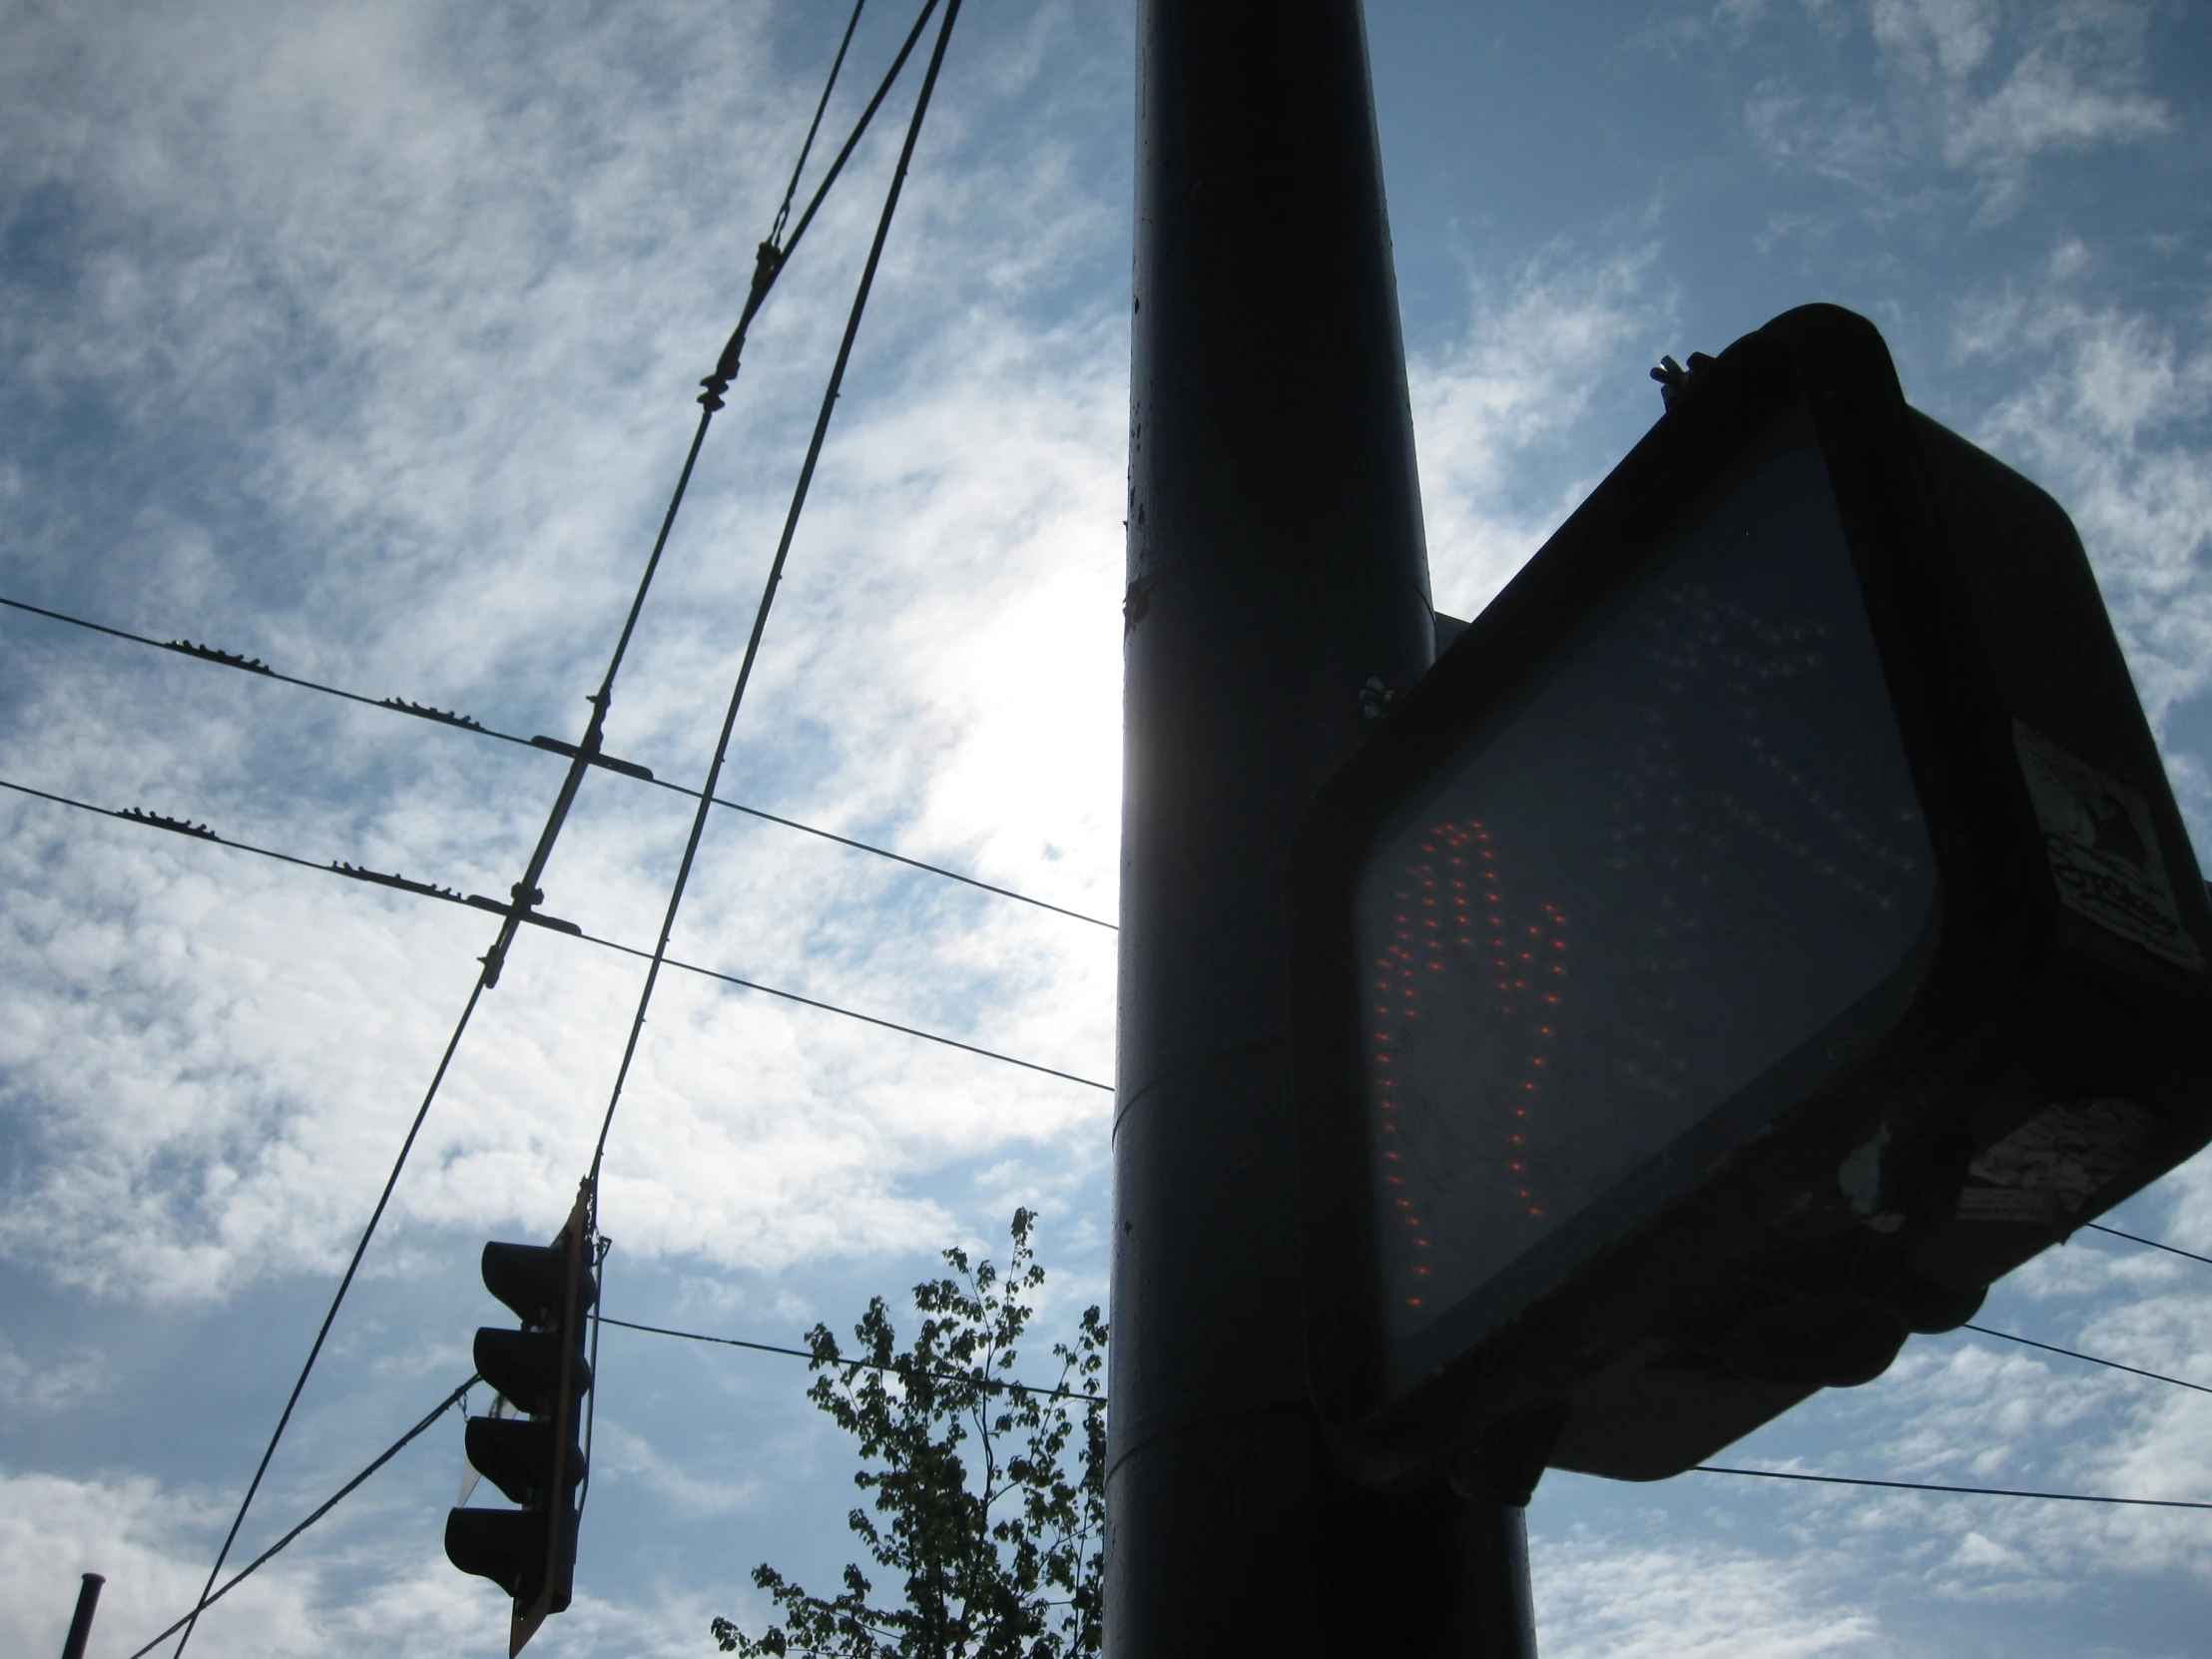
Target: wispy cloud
[[1506, 414], [1971, 87], [2111, 410]]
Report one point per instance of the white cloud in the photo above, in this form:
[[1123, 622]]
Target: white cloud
[[1972, 87], [25, 1387], [1599, 1595], [2109, 412], [1504, 413], [334, 1591], [438, 300]]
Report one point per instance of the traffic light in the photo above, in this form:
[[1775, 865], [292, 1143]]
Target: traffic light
[[1766, 927], [537, 1459]]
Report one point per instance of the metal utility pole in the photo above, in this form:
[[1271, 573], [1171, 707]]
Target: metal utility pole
[[80, 1627], [1275, 567]]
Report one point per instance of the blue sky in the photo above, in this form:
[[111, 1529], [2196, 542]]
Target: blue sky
[[361, 339]]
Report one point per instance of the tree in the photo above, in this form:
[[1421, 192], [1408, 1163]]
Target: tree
[[997, 1539]]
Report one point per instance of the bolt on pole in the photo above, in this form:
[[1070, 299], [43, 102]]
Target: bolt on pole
[[1275, 566]]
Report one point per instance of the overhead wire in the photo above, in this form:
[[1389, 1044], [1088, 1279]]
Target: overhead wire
[[207, 1600], [849, 1014], [776, 573], [2006, 1491], [1932, 1486], [526, 893], [465, 723], [322, 1333], [997, 1383], [450, 896], [2132, 1238], [2090, 1358], [813, 127]]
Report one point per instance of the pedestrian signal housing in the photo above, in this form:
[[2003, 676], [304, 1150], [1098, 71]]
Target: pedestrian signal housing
[[1767, 925]]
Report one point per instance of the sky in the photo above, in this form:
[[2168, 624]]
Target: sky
[[361, 340]]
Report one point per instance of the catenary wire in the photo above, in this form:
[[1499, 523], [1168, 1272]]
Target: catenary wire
[[813, 127], [526, 893], [425, 889], [387, 1455], [2071, 1353], [776, 573], [315, 1351], [2131, 1238], [841, 1360], [463, 723], [768, 257], [1970, 1492], [849, 1013]]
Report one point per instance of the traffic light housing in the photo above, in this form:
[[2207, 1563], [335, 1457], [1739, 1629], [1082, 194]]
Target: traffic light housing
[[536, 1460], [1767, 925]]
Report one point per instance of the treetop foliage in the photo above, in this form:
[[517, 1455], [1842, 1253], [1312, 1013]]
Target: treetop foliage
[[990, 1495]]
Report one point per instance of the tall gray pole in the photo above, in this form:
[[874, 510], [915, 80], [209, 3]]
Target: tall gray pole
[[80, 1627], [1275, 566]]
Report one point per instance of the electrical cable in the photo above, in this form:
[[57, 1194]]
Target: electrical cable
[[346, 1284], [849, 1014], [2171, 1249], [450, 895], [389, 1452], [768, 264], [776, 573], [769, 259], [1970, 1492], [253, 665], [864, 1364], [526, 893], [464, 722], [813, 127], [2070, 1354]]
